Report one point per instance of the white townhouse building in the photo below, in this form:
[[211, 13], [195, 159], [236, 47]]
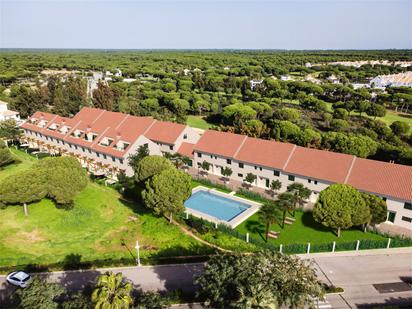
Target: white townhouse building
[[103, 140], [316, 169], [6, 114]]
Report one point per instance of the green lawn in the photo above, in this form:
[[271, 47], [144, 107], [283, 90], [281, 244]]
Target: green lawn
[[100, 226], [198, 122], [392, 116], [26, 162], [303, 230]]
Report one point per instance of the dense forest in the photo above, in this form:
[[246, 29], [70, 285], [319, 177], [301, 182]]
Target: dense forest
[[316, 106]]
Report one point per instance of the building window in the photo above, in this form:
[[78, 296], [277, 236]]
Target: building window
[[276, 173], [199, 164], [408, 206], [309, 180], [171, 147], [291, 178], [121, 161], [391, 216], [228, 161], [190, 163], [104, 156], [407, 219], [316, 182], [98, 154], [240, 175], [185, 136], [113, 159], [83, 149], [384, 198], [199, 155], [240, 165]]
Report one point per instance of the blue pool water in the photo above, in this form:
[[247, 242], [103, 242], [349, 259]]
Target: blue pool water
[[215, 205]]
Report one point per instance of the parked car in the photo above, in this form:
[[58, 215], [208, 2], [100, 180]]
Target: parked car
[[19, 278]]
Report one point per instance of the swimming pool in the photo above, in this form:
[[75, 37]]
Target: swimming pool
[[219, 207]]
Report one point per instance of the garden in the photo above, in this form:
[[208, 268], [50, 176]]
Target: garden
[[102, 227]]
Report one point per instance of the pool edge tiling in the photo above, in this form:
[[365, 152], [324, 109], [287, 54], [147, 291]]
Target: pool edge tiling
[[252, 208]]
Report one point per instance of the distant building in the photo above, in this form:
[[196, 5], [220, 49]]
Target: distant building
[[333, 79], [284, 77], [6, 114], [394, 80], [255, 82], [308, 65]]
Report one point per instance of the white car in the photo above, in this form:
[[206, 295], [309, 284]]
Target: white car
[[19, 278]]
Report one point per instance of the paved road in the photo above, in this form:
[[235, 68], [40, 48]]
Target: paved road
[[355, 273]]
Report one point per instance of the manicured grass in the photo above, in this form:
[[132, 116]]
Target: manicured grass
[[100, 226], [392, 116], [303, 230], [198, 122], [26, 162], [197, 183]]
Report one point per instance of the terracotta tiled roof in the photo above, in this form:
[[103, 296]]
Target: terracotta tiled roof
[[265, 153], [165, 132], [385, 179], [319, 164], [186, 149], [220, 143]]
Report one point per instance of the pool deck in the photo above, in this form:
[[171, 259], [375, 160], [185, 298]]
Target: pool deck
[[254, 207]]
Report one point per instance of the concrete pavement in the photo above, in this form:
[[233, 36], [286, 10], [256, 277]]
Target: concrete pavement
[[358, 274], [355, 272]]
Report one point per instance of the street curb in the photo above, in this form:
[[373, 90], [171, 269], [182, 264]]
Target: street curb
[[368, 252]]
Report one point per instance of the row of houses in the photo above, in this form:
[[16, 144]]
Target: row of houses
[[103, 140], [392, 80]]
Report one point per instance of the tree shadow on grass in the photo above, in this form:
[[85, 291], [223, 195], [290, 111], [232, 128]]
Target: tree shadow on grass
[[256, 227], [308, 221], [137, 207]]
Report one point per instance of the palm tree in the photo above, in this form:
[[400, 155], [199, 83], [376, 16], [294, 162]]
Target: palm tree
[[112, 292], [267, 214], [300, 192], [286, 202]]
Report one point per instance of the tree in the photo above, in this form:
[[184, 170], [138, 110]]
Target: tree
[[250, 178], [300, 192], [23, 188], [400, 127], [275, 185], [263, 280], [150, 166], [112, 292], [205, 166], [267, 214], [286, 202], [152, 300], [65, 178], [377, 207], [339, 125], [9, 130], [103, 96], [6, 156], [59, 178], [340, 113], [134, 159], [376, 110], [39, 294], [339, 207], [226, 173], [166, 192]]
